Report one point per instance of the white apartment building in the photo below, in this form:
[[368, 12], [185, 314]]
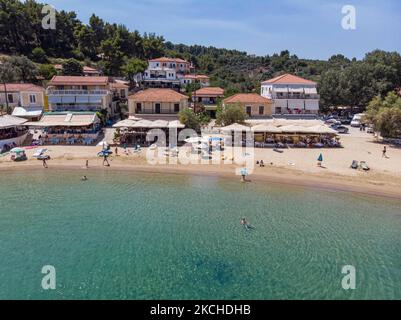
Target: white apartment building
[[291, 95]]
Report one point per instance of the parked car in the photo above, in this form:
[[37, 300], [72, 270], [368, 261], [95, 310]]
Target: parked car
[[356, 121], [333, 121], [346, 121], [342, 129]]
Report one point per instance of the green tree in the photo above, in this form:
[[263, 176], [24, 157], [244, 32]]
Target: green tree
[[385, 115], [86, 41], [47, 71], [132, 67], [39, 55], [72, 67], [231, 114], [27, 70], [153, 46], [188, 117], [8, 73]]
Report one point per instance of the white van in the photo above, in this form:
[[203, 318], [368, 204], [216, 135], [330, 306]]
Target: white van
[[356, 121]]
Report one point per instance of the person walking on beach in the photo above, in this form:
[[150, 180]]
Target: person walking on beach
[[87, 164], [105, 161], [384, 152], [320, 160], [116, 151], [44, 163]]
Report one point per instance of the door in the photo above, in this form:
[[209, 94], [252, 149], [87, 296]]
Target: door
[[249, 111], [157, 108]]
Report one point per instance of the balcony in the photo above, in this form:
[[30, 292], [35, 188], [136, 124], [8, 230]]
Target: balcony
[[77, 92], [296, 96], [77, 108]]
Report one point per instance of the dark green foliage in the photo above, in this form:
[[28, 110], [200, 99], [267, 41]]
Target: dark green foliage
[[72, 67], [341, 81]]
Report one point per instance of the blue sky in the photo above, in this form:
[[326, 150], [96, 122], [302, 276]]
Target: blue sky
[[309, 28]]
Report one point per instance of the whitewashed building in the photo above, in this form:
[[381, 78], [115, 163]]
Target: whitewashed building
[[291, 95]]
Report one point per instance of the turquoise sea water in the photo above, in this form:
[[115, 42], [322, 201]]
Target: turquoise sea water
[[138, 236]]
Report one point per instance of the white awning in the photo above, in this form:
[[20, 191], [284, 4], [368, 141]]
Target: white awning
[[236, 128], [66, 120], [11, 121], [27, 112]]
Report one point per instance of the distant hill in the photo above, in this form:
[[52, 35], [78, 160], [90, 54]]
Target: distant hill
[[108, 46]]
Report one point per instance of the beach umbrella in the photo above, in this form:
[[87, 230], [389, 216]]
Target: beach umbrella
[[193, 140], [103, 144], [17, 150], [320, 159]]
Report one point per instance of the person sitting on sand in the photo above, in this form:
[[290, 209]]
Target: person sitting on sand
[[262, 164]]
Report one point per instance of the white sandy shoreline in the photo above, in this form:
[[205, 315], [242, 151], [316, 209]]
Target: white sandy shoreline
[[294, 166]]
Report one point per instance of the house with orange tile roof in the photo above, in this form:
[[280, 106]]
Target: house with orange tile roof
[[203, 80], [26, 100], [166, 73], [292, 94], [179, 65], [80, 93], [206, 99], [157, 104], [253, 104]]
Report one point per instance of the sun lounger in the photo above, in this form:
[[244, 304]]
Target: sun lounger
[[364, 166], [355, 164]]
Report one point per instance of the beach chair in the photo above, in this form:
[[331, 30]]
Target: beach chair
[[364, 166], [355, 165]]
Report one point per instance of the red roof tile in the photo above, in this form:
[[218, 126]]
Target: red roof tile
[[16, 87], [158, 95], [247, 98], [164, 59], [288, 79], [210, 91], [78, 80]]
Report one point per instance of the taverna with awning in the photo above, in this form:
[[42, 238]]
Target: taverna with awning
[[13, 131], [68, 127], [297, 133], [134, 130]]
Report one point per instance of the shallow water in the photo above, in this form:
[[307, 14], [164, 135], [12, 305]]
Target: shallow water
[[127, 235]]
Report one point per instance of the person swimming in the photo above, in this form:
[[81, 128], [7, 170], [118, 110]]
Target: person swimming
[[246, 225], [84, 178]]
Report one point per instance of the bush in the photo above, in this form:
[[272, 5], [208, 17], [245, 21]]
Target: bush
[[188, 117], [230, 114]]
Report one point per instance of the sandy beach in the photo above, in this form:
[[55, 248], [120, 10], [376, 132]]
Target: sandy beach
[[293, 166]]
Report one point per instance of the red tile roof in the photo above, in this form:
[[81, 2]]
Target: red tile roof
[[78, 80], [85, 68], [16, 87], [210, 91], [164, 59], [288, 79], [247, 98], [158, 95], [90, 70]]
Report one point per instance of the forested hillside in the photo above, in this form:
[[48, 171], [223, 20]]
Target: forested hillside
[[116, 50]]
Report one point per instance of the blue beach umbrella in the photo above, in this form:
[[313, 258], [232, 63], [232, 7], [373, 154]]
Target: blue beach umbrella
[[320, 159]]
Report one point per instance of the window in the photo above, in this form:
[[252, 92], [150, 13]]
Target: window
[[261, 110], [32, 98], [249, 110], [278, 110], [10, 98], [138, 108], [177, 107]]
